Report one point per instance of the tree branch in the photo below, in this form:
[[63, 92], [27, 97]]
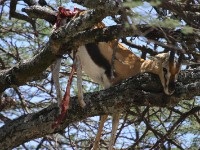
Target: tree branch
[[37, 11], [14, 14], [181, 13], [151, 32], [30, 2], [99, 4], [141, 90], [32, 68], [118, 98]]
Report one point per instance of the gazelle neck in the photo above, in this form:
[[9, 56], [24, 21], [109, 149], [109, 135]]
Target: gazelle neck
[[150, 66]]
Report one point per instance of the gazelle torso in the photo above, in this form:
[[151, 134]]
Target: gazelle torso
[[92, 69], [96, 63], [96, 60]]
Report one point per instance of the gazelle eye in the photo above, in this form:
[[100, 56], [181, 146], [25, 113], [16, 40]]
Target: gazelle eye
[[165, 70]]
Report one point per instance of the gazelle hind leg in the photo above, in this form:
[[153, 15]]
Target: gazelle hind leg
[[115, 123], [55, 74], [79, 80], [98, 136]]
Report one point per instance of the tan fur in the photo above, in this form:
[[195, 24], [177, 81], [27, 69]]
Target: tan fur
[[126, 64]]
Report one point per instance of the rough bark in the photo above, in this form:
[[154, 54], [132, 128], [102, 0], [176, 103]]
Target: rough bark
[[142, 90], [133, 91], [140, 30], [37, 11], [32, 69], [56, 46]]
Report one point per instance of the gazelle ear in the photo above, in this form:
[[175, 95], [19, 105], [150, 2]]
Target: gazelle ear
[[162, 55]]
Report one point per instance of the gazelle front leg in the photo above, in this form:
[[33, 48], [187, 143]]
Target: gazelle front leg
[[103, 119], [115, 123]]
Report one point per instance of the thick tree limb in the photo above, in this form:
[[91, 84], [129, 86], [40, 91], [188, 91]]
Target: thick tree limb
[[31, 69], [143, 90], [150, 32], [121, 97], [37, 11], [26, 71]]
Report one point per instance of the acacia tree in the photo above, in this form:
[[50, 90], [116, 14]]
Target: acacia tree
[[150, 119]]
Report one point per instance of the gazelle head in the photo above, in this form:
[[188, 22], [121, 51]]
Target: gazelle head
[[169, 67]]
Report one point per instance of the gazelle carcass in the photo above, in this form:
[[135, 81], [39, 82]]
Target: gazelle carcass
[[96, 62]]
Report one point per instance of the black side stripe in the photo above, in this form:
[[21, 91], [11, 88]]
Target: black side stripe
[[98, 58]]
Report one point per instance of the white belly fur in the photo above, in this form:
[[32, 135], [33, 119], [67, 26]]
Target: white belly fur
[[95, 72]]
